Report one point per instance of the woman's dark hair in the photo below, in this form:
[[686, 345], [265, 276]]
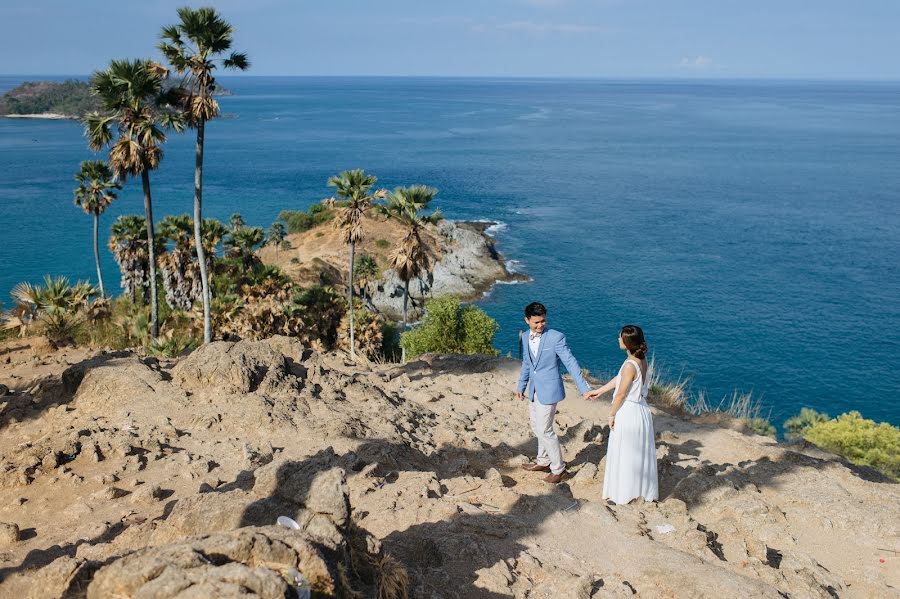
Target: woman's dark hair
[[633, 338], [535, 309]]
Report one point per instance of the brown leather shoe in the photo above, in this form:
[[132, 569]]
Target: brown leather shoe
[[532, 467], [555, 479]]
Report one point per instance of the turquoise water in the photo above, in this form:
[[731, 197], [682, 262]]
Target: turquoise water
[[751, 228]]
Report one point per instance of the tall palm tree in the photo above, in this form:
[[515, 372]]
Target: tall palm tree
[[413, 256], [353, 187], [194, 47], [130, 91], [276, 236], [95, 191]]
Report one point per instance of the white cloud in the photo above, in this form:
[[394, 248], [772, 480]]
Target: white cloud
[[697, 63], [539, 28]]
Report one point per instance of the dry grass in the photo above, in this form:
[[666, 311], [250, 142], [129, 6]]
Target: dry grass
[[676, 395]]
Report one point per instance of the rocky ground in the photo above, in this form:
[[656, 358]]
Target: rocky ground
[[466, 261], [125, 476]]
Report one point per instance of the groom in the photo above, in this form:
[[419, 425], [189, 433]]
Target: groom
[[542, 350]]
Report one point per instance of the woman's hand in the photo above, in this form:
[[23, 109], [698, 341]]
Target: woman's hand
[[592, 395], [612, 421]]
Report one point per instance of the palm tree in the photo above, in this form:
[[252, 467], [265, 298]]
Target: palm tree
[[194, 48], [213, 232], [130, 91], [243, 243], [353, 187], [412, 257], [179, 270], [366, 271], [236, 221], [94, 193], [276, 236], [128, 244]]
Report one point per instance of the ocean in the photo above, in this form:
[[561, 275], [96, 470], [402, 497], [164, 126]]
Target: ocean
[[752, 228]]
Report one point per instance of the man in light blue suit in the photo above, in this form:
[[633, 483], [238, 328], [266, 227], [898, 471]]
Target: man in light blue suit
[[542, 350]]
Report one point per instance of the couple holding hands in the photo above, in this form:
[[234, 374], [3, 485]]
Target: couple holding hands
[[631, 449]]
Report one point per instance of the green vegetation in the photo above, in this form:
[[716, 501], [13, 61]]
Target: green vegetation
[[69, 98], [796, 426], [298, 221], [56, 309], [863, 442], [451, 327], [382, 244]]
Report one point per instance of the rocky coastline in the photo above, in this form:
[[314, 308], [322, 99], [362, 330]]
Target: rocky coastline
[[469, 265]]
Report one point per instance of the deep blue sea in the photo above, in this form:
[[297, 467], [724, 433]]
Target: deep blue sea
[[751, 228]]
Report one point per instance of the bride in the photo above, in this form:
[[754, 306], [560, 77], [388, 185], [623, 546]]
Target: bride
[[631, 451]]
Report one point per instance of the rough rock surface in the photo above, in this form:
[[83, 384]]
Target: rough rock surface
[[469, 265], [129, 475]]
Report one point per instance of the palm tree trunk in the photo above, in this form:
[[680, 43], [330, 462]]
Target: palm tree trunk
[[403, 329], [198, 236], [151, 250], [350, 299], [97, 253], [405, 302]]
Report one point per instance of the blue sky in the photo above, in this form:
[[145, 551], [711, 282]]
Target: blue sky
[[817, 39]]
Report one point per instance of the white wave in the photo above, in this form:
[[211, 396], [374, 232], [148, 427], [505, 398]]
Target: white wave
[[497, 227], [515, 267]]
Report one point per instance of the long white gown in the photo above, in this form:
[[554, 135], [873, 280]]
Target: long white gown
[[631, 451]]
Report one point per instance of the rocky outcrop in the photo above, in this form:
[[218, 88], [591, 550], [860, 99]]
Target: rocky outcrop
[[469, 265], [156, 478]]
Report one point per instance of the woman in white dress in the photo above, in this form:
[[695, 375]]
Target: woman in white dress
[[631, 450]]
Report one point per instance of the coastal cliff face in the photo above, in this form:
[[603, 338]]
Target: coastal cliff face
[[465, 262], [126, 476]]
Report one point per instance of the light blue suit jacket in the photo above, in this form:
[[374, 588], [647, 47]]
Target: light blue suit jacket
[[543, 372]]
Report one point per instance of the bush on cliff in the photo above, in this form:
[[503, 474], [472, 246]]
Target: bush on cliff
[[299, 221], [796, 426], [450, 327], [861, 441]]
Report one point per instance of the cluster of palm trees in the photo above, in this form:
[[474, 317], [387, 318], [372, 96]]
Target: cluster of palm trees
[[412, 257], [138, 110]]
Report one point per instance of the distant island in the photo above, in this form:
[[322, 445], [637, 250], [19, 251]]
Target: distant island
[[70, 99]]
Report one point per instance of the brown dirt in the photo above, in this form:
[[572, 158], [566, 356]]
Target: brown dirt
[[115, 453]]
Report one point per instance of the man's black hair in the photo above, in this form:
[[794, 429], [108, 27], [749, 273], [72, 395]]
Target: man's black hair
[[535, 309]]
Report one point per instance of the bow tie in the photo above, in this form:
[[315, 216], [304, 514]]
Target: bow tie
[[534, 336]]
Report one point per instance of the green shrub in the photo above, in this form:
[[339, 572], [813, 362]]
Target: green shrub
[[796, 426], [299, 221], [451, 328], [382, 244], [861, 441], [760, 426]]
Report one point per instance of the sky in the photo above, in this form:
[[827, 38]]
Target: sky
[[803, 39]]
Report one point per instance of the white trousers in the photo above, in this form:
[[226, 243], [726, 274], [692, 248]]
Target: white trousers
[[549, 452]]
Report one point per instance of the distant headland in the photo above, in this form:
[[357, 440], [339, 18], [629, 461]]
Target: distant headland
[[54, 100]]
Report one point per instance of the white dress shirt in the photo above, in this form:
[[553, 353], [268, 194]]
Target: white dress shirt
[[534, 342]]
